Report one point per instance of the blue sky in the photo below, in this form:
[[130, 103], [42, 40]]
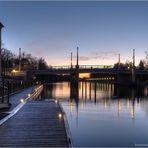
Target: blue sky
[[54, 29]]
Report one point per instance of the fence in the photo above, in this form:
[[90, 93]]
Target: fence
[[4, 93]]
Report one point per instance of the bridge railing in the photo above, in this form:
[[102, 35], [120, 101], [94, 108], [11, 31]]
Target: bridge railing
[[95, 66], [64, 67], [60, 67]]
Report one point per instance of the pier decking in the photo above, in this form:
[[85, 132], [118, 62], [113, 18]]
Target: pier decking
[[36, 124]]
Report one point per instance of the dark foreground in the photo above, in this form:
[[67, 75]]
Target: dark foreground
[[36, 124]]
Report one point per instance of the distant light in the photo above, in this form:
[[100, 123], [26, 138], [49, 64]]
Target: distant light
[[56, 101], [14, 71], [29, 95], [84, 75], [60, 115], [22, 100]]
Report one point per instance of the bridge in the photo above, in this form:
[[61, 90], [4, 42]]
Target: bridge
[[69, 70], [86, 69], [103, 71]]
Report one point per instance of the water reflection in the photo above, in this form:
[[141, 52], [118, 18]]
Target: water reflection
[[95, 92], [103, 114]]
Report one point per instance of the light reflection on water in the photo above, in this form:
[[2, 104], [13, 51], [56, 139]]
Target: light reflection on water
[[103, 114]]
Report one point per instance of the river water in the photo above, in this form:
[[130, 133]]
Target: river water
[[103, 114]]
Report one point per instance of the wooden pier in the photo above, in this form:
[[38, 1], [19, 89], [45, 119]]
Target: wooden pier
[[36, 124]]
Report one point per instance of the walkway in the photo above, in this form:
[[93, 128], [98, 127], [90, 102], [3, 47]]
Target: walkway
[[15, 100], [36, 124]]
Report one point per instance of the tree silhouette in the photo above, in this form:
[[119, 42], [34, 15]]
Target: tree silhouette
[[42, 64], [141, 65], [11, 61]]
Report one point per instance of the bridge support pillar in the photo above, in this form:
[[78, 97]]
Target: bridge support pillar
[[124, 79]]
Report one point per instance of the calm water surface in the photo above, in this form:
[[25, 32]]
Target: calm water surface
[[103, 114]]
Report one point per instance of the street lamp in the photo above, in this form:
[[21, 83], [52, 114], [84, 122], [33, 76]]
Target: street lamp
[[14, 72]]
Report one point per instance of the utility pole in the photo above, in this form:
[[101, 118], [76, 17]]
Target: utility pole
[[20, 58], [71, 60], [1, 26], [133, 68], [119, 60], [77, 64]]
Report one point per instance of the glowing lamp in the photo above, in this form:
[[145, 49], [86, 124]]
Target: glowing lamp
[[22, 100], [60, 115], [14, 71]]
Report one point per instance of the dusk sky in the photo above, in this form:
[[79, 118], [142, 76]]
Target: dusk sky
[[54, 29]]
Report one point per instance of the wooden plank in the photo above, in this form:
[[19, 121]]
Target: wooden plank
[[36, 124]]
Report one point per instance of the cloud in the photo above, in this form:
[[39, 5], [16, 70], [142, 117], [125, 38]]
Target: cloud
[[83, 58], [102, 55]]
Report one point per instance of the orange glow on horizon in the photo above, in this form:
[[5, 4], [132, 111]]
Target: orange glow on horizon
[[57, 62]]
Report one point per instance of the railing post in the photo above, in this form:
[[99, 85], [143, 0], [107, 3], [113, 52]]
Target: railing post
[[3, 88], [8, 92]]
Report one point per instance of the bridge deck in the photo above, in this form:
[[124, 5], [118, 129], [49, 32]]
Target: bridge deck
[[36, 124]]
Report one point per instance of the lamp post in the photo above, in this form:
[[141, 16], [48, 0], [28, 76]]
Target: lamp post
[[20, 58], [77, 64], [71, 60], [1, 26]]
